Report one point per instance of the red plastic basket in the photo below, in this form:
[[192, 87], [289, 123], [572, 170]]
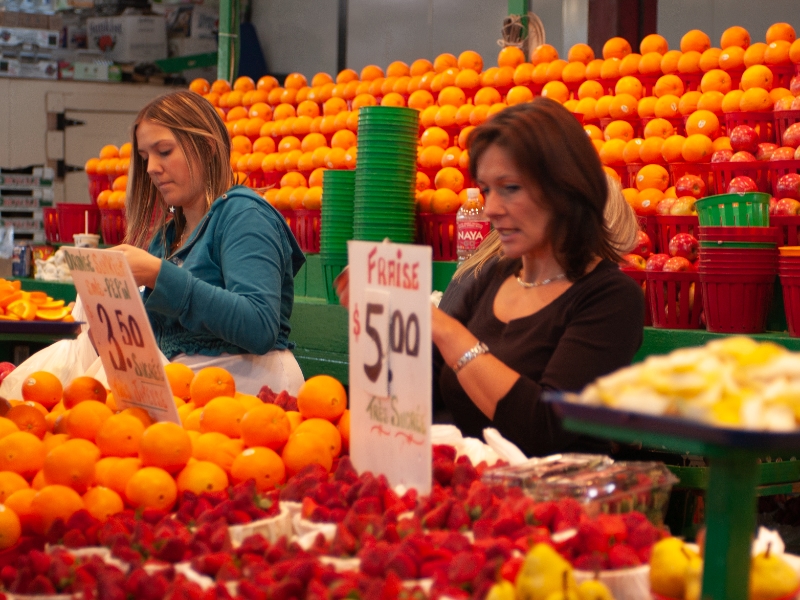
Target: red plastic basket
[[791, 302], [50, 217], [72, 220], [782, 75], [790, 230], [640, 277], [291, 220], [670, 225], [779, 168], [622, 171], [97, 183], [762, 122], [724, 172], [784, 118], [701, 170], [649, 225], [736, 302], [112, 225], [739, 234], [629, 180], [691, 81], [307, 230], [676, 299], [438, 232]]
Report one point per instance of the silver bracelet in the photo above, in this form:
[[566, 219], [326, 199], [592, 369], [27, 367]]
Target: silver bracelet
[[469, 355]]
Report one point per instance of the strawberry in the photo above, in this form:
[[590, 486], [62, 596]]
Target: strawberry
[[592, 537], [643, 535], [286, 589], [40, 585], [228, 572], [403, 565], [320, 514], [568, 512], [613, 527], [483, 528], [591, 561], [345, 472], [529, 540], [249, 591], [408, 525], [479, 500], [266, 395], [302, 569], [337, 515], [370, 505], [511, 568], [437, 518], [316, 591], [508, 523], [443, 470], [308, 507], [40, 562], [644, 554], [148, 515], [622, 556], [372, 486], [463, 473], [542, 514], [633, 518], [458, 519], [409, 499], [465, 566], [374, 559], [494, 548], [444, 451]]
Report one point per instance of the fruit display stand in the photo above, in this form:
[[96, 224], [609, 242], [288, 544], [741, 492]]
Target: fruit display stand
[[733, 479]]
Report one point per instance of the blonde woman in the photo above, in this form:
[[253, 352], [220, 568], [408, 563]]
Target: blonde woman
[[218, 275]]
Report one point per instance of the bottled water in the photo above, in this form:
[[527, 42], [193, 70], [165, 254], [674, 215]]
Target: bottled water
[[472, 225]]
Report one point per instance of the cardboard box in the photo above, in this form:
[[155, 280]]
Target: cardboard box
[[96, 71], [129, 38], [41, 69], [42, 38]]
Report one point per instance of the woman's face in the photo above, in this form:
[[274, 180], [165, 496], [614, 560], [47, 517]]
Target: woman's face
[[167, 166], [512, 205]]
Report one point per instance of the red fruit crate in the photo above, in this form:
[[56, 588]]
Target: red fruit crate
[[609, 85], [291, 220], [791, 303], [737, 302], [783, 119], [438, 232], [640, 277], [691, 81], [671, 225], [789, 229], [622, 172], [307, 230], [50, 218], [701, 170], [782, 75], [778, 168], [724, 172], [112, 225], [649, 224], [762, 122], [72, 219], [676, 299], [97, 183]]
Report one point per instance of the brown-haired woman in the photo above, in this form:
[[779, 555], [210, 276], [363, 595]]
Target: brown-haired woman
[[552, 311], [219, 275]]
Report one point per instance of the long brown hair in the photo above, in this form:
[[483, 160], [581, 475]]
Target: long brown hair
[[550, 149], [205, 144]]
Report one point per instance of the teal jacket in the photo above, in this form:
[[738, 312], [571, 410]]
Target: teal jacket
[[230, 287]]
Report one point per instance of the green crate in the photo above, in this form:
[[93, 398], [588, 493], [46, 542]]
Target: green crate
[[734, 210]]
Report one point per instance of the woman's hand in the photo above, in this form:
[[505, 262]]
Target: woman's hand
[[144, 266], [342, 286]]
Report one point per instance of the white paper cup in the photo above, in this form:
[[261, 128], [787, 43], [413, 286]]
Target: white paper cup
[[86, 240]]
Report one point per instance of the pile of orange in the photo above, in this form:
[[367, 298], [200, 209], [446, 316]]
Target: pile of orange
[[17, 304], [113, 163], [64, 448]]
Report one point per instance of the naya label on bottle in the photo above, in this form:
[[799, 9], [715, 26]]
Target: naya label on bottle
[[471, 234]]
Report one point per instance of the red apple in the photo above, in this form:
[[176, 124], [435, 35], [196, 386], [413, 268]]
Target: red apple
[[685, 245], [791, 137], [765, 150], [773, 202], [683, 206], [633, 262], [5, 369], [794, 85], [743, 156], [797, 153], [664, 206], [656, 262], [788, 186], [644, 247], [721, 156], [783, 153], [787, 207], [784, 103], [690, 185], [741, 185], [795, 104], [678, 264], [744, 137]]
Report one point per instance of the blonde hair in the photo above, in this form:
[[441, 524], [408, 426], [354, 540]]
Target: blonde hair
[[620, 222], [203, 139]]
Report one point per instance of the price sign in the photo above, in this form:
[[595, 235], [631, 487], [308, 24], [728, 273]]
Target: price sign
[[390, 361], [121, 331]]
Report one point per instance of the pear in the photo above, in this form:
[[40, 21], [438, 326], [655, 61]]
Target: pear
[[543, 573], [503, 590], [694, 578], [594, 589], [566, 592], [771, 577], [668, 564]]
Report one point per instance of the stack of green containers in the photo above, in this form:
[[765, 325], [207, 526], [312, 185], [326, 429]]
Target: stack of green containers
[[338, 189], [386, 174]]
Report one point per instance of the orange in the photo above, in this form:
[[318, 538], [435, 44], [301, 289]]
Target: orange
[[716, 80], [612, 173], [756, 100], [623, 106], [581, 53], [732, 58], [556, 90], [469, 59], [463, 114], [423, 181], [10, 528], [265, 425], [91, 166], [695, 40], [554, 72], [312, 141], [647, 106], [610, 68], [443, 62], [343, 139], [151, 487], [672, 147], [451, 158], [735, 36], [711, 101], [29, 419], [710, 59], [794, 52], [304, 449], [730, 103], [85, 420], [616, 47], [777, 53], [200, 86], [647, 201], [103, 469], [420, 99], [55, 502], [165, 445], [223, 415], [10, 482], [363, 100], [593, 69], [38, 481], [21, 452], [109, 151], [658, 127], [71, 464], [120, 435], [757, 76], [652, 176], [202, 476], [611, 152], [650, 152], [315, 179], [117, 478], [688, 103], [20, 503], [102, 502], [573, 72], [510, 56], [544, 53], [629, 85], [327, 398], [630, 64], [630, 153], [722, 143], [689, 62], [697, 148], [260, 464], [590, 89], [42, 387], [518, 95], [653, 43], [754, 55], [650, 64], [102, 198], [293, 179], [781, 31], [431, 157], [586, 107], [702, 121], [209, 383], [445, 201], [621, 130], [669, 62], [239, 112], [245, 83], [487, 95], [83, 388], [322, 429]]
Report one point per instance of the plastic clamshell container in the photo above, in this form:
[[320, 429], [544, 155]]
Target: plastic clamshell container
[[527, 474]]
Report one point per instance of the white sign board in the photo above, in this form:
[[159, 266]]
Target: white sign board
[[121, 331], [390, 361]]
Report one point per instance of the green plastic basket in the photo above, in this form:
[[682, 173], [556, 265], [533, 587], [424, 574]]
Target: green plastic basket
[[734, 210], [707, 244]]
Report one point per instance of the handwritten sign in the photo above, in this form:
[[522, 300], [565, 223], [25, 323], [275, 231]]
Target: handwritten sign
[[390, 361], [121, 331]]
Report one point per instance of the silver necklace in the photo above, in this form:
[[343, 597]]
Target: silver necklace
[[534, 284]]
